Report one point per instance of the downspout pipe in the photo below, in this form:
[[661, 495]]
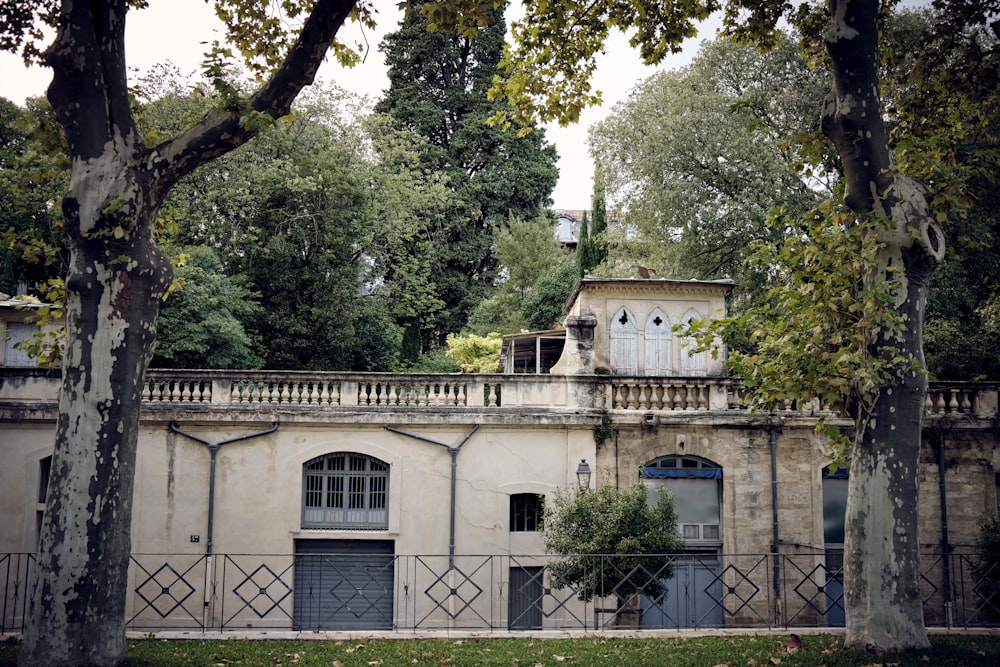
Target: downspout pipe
[[213, 450], [453, 450], [945, 546], [773, 442]]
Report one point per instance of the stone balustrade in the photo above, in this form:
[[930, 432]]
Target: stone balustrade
[[375, 391]]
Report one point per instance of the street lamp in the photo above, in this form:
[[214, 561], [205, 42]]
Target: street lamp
[[583, 475]]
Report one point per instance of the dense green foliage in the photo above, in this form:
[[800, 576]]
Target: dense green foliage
[[202, 321], [475, 354], [696, 157], [946, 126], [536, 277], [438, 84], [592, 244], [986, 568], [637, 537], [33, 174], [284, 214], [542, 307]]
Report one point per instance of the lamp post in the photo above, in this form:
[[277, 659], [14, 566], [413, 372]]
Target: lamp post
[[583, 476]]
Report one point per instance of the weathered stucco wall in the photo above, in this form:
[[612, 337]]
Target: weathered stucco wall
[[516, 449]]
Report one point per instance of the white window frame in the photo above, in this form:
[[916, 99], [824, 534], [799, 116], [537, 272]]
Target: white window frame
[[624, 335], [697, 363], [345, 491], [658, 357]]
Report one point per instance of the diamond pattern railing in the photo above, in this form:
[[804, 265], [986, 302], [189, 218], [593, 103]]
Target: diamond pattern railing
[[230, 592], [259, 590], [165, 591], [739, 591], [453, 592], [814, 592]]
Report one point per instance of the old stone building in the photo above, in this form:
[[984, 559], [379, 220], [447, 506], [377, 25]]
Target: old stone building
[[378, 501]]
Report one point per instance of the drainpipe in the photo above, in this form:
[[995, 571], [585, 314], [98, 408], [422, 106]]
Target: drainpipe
[[945, 546], [773, 441], [454, 477], [213, 450]]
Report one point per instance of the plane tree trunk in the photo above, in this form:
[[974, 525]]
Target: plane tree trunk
[[881, 561], [117, 277]]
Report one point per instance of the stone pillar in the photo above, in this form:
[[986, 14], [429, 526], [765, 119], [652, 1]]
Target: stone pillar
[[578, 354]]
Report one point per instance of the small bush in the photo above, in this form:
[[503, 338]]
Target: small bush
[[987, 565]]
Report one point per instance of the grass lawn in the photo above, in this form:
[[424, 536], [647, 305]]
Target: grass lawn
[[763, 651]]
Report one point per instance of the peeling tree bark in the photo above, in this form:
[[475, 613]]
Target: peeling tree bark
[[116, 279], [881, 560]]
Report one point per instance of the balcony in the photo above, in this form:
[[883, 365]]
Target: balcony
[[34, 390]]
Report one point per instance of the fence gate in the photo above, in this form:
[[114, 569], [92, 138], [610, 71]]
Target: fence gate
[[525, 599], [343, 585]]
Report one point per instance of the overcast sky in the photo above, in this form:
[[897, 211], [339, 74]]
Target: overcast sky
[[178, 31]]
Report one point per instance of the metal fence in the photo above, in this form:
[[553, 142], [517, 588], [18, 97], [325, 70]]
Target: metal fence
[[357, 591]]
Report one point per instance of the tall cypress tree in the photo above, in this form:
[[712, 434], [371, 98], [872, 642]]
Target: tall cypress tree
[[584, 248], [438, 83], [599, 227]]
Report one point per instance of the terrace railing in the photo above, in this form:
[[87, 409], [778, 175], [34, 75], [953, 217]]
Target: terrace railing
[[315, 390], [234, 592]]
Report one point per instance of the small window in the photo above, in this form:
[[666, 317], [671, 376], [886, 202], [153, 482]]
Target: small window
[[834, 506], [18, 332], [526, 510], [348, 491], [44, 471]]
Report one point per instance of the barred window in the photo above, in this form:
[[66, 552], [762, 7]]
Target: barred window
[[526, 511], [346, 490]]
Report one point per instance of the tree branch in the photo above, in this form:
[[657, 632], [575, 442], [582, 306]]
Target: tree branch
[[852, 117], [221, 130]]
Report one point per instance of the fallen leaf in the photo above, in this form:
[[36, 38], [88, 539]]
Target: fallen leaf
[[775, 661], [338, 663], [791, 644], [558, 658]]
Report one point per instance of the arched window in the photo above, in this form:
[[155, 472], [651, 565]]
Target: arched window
[[696, 484], [526, 511], [624, 337], [659, 334], [692, 363], [347, 491]]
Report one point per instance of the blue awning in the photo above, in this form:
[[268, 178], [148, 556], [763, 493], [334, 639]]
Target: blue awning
[[683, 473]]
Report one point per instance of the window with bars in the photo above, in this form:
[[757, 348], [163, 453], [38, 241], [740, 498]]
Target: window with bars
[[526, 510], [346, 490]]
